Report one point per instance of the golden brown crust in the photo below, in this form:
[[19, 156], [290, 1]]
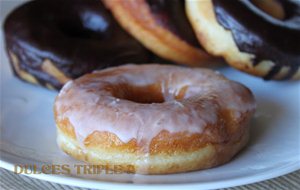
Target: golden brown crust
[[98, 137], [219, 42], [166, 142], [47, 66], [208, 156], [21, 73], [52, 70], [168, 153], [136, 18]]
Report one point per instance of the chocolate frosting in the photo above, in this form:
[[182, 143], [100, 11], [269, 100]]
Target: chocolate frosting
[[257, 33], [78, 36], [171, 15]]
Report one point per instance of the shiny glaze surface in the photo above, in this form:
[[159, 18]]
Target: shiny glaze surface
[[171, 15], [262, 35], [99, 102], [78, 36]]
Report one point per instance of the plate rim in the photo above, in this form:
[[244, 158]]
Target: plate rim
[[92, 183]]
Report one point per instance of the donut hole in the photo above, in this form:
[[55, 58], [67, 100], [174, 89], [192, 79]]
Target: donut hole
[[147, 94], [273, 8]]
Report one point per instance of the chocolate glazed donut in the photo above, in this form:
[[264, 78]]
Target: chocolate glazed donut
[[52, 41], [258, 37], [171, 15]]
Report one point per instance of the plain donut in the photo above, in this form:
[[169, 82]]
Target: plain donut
[[154, 117]]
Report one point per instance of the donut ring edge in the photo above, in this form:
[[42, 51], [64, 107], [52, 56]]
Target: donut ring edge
[[220, 42], [162, 157], [156, 38]]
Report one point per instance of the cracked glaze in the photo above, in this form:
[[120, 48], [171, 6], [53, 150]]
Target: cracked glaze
[[90, 105]]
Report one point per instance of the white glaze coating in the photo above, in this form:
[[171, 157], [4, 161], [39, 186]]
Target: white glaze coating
[[90, 107]]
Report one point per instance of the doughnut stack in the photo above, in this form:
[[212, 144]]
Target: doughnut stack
[[260, 37], [53, 41], [157, 118]]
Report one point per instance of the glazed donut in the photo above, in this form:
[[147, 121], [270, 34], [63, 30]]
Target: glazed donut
[[154, 118], [50, 42], [162, 27], [256, 36]]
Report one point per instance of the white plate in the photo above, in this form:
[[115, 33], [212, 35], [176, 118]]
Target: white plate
[[28, 137]]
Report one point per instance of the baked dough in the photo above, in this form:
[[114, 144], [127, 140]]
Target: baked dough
[[160, 119]]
